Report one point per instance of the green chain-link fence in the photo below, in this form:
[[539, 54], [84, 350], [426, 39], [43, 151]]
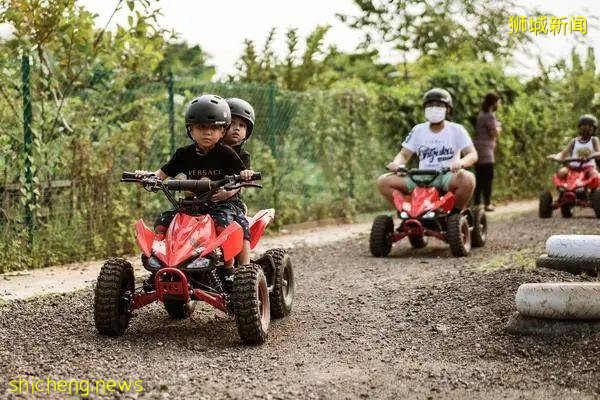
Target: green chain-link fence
[[61, 197]]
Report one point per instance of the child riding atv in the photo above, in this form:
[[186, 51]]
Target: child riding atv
[[586, 146], [439, 144], [430, 200], [207, 119], [578, 181]]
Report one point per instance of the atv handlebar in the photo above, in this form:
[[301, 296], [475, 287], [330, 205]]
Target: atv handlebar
[[203, 189]]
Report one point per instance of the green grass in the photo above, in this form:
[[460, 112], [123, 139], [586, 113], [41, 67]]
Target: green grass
[[518, 259]]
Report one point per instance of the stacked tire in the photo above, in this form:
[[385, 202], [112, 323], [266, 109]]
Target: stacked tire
[[577, 254]]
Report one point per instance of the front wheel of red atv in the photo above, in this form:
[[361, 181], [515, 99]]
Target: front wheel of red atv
[[596, 202], [380, 241], [282, 296], [545, 207], [459, 235], [113, 297], [251, 304]]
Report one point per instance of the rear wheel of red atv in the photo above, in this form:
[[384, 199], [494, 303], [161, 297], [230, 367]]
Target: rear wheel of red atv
[[479, 233], [251, 304], [566, 211], [417, 242], [596, 202], [380, 241], [459, 235], [113, 297], [282, 296], [545, 207]]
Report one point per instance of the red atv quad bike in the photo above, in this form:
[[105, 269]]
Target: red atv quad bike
[[573, 191], [424, 214], [184, 263]]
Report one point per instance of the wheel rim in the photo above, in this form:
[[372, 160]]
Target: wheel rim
[[288, 285], [263, 304]]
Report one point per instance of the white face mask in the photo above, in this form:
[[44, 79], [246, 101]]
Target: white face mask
[[435, 114]]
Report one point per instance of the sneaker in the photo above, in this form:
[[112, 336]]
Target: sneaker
[[489, 208], [226, 275]]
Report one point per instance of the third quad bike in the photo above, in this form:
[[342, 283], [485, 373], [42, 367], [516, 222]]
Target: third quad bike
[[184, 261], [575, 190], [425, 213]]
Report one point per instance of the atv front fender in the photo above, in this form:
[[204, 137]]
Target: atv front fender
[[258, 223], [144, 237]]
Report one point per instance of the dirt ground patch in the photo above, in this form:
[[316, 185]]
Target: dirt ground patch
[[418, 324]]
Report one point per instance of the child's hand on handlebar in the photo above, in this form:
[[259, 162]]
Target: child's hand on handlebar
[[393, 166], [222, 195], [247, 174], [456, 166]]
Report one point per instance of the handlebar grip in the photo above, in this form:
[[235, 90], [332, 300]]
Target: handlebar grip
[[190, 185], [129, 175]]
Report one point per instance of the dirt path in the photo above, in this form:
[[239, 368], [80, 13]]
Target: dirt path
[[419, 324], [67, 278]]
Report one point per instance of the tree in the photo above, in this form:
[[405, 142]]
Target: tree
[[458, 29], [185, 61]]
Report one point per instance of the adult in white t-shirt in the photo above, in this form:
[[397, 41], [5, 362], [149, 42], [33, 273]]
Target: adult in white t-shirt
[[441, 145]]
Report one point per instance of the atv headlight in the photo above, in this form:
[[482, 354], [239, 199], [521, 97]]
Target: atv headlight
[[430, 214], [154, 263], [404, 215], [198, 263]]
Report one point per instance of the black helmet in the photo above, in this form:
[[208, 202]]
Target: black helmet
[[243, 109], [437, 94], [208, 109], [588, 119]]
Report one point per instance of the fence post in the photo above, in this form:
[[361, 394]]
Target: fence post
[[171, 111], [271, 120], [28, 146]]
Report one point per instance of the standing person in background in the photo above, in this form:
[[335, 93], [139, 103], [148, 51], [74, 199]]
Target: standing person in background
[[487, 131]]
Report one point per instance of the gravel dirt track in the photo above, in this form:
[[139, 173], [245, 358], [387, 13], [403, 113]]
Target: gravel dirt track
[[418, 324]]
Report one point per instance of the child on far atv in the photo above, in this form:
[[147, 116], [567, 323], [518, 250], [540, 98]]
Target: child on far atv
[[207, 118], [585, 146], [439, 144]]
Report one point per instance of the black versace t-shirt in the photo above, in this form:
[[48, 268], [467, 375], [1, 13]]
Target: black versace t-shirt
[[244, 155], [221, 160]]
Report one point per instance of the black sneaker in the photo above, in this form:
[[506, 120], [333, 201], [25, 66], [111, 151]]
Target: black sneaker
[[226, 275]]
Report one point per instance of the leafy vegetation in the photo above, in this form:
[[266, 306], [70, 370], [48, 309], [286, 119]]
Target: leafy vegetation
[[327, 121]]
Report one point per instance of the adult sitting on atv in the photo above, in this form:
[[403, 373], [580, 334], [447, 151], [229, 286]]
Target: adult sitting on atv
[[577, 182], [444, 149]]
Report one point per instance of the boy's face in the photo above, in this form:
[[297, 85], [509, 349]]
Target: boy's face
[[586, 130], [237, 131], [206, 135]]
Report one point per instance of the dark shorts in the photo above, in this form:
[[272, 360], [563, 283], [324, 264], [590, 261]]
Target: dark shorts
[[222, 213]]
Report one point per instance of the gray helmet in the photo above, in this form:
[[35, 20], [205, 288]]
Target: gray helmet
[[588, 119], [208, 109], [243, 109], [437, 94]]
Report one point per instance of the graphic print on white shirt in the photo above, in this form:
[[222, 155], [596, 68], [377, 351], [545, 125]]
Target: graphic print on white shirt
[[437, 150]]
